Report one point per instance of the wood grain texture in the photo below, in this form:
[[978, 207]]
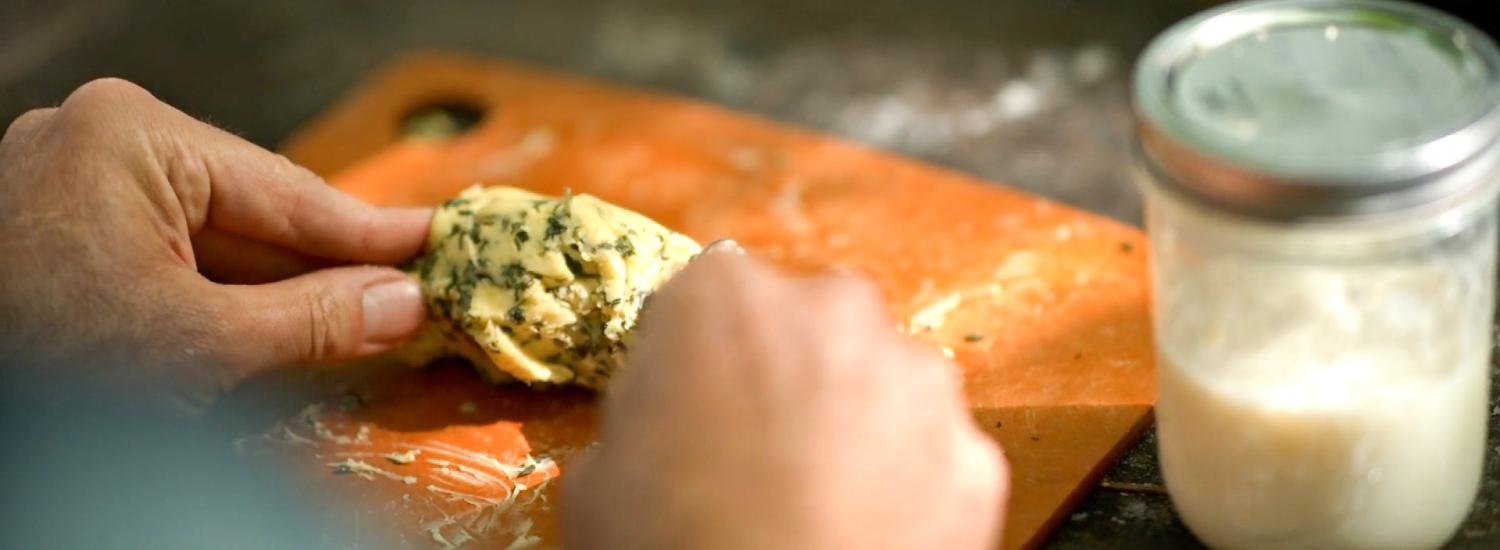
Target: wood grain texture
[[1044, 306]]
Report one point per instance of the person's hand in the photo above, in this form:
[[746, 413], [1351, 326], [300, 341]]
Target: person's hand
[[758, 411], [143, 250]]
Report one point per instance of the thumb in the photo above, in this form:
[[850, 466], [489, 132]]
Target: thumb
[[337, 313]]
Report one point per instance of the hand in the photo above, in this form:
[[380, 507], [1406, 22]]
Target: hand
[[764, 412], [150, 252]]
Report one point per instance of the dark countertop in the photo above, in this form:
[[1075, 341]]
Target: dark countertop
[[1031, 94]]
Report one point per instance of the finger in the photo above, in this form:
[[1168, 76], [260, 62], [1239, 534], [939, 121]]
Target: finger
[[263, 196], [226, 258], [584, 508], [984, 478], [295, 209], [718, 278], [242, 189], [710, 277], [719, 266], [853, 300], [26, 124], [335, 313], [681, 327]]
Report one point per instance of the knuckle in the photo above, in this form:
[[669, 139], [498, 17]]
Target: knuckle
[[293, 171], [324, 338], [29, 120], [209, 314], [206, 339], [836, 328], [203, 323], [276, 166], [212, 327], [106, 92], [94, 105], [915, 372]]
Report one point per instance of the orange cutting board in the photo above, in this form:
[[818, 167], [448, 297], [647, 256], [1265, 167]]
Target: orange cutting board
[[1044, 306]]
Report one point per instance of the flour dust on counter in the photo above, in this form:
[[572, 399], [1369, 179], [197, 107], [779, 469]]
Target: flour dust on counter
[[538, 289]]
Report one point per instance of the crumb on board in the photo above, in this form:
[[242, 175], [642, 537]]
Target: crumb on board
[[934, 315], [407, 457]]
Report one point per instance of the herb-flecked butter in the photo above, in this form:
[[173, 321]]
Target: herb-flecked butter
[[539, 289]]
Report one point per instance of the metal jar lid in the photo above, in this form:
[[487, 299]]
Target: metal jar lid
[[1293, 109]]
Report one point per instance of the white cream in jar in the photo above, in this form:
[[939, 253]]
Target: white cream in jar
[[1329, 404]]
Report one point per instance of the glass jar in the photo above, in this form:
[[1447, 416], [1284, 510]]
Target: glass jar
[[1320, 179]]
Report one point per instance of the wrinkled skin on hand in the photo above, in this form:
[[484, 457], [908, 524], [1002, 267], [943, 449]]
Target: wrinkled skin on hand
[[759, 411], [165, 259]]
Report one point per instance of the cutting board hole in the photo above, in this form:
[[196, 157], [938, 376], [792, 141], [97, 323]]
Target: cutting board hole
[[441, 120]]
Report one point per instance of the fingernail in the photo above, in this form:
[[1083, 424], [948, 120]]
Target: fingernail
[[724, 245], [392, 310]]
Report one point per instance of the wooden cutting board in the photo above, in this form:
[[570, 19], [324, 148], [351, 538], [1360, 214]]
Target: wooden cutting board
[[1044, 306]]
